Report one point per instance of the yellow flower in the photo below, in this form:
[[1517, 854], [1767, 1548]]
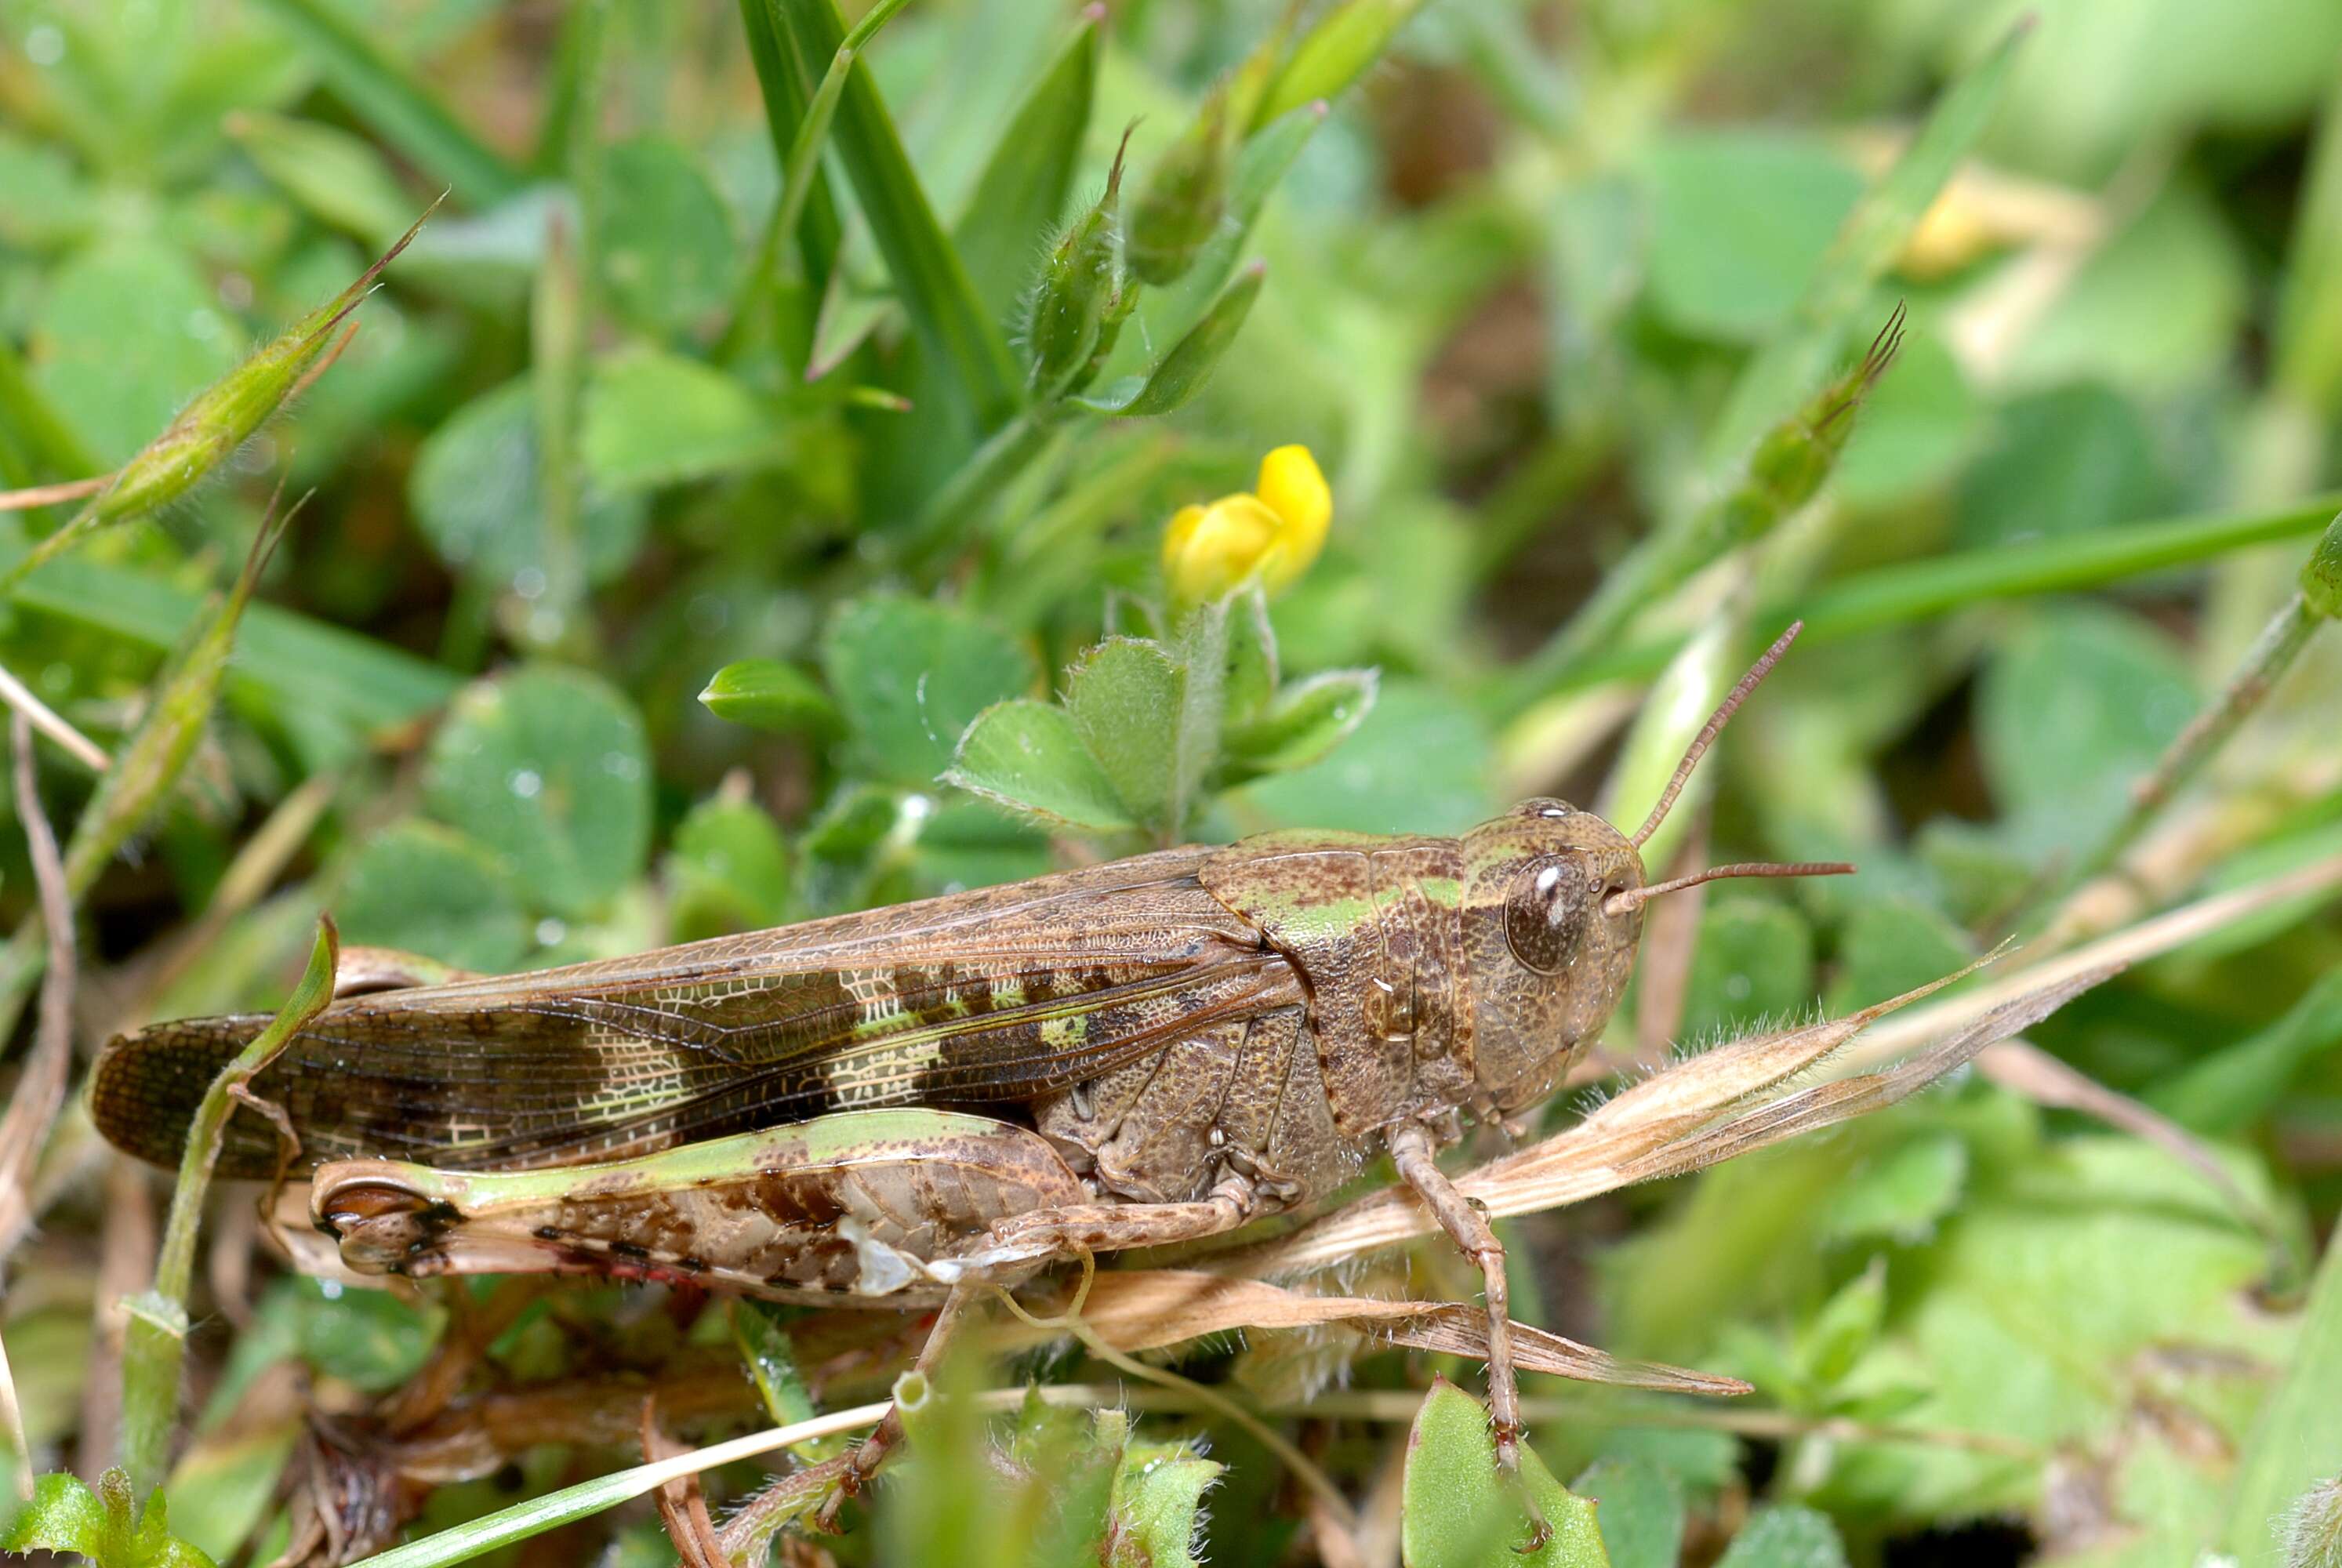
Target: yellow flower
[[1272, 534]]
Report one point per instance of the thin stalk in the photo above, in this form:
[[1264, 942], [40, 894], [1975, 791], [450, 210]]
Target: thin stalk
[[50, 723], [40, 1088], [156, 1347], [2272, 654], [13, 1447], [51, 494], [800, 169], [1923, 590]]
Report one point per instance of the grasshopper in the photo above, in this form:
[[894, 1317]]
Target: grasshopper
[[909, 1106]]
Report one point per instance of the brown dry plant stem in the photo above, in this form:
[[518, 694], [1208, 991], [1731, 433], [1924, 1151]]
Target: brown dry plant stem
[[40, 1087]]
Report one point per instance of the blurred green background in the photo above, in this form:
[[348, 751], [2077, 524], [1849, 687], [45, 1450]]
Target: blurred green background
[[659, 555]]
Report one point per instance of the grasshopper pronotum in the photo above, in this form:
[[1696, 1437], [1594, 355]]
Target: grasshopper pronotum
[[907, 1106]]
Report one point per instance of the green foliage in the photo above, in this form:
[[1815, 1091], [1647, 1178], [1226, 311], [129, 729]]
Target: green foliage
[[822, 370], [548, 768], [66, 1515], [1147, 724], [1457, 1512]]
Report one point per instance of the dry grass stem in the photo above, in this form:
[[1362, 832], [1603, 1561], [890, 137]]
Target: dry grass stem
[[40, 1088], [52, 723]]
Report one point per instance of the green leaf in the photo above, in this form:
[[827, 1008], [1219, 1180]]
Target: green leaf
[[911, 676], [1843, 1331], [1022, 190], [784, 86], [1740, 221], [664, 246], [1343, 45], [2061, 461], [479, 497], [1457, 1512], [2073, 708], [66, 1515], [769, 694], [1900, 1196], [1181, 374], [1921, 590], [385, 97], [124, 333], [547, 766], [1029, 756], [1785, 1535], [932, 283], [1888, 946], [728, 871], [302, 663], [1640, 1506], [1798, 358], [1252, 669], [2155, 310], [1127, 698], [653, 418], [342, 178], [1261, 165], [1303, 723], [1418, 762], [1158, 1492], [419, 887], [1754, 961], [2230, 1089]]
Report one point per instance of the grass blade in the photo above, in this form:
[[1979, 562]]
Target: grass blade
[[1922, 590], [522, 1521], [1022, 190], [394, 106], [934, 284], [1873, 234], [1782, 372], [781, 81], [2298, 1440], [301, 662]]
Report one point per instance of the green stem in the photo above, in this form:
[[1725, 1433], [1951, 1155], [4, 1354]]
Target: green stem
[[2270, 656], [156, 1347], [1922, 590]]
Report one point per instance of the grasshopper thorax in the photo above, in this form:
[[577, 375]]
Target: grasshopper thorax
[[1548, 943]]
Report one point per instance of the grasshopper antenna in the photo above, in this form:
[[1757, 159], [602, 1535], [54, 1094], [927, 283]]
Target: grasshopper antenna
[[1706, 737], [1631, 898]]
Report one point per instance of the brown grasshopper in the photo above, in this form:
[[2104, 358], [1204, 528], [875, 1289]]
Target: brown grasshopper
[[906, 1107]]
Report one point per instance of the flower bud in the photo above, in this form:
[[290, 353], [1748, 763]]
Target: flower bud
[[1185, 198], [1076, 286], [1272, 536]]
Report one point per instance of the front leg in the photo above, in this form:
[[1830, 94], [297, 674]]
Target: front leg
[[1467, 1225]]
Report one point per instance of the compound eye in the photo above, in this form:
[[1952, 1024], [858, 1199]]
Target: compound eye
[[1544, 914]]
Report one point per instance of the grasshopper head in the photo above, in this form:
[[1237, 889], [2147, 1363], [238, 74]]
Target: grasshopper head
[[1551, 918]]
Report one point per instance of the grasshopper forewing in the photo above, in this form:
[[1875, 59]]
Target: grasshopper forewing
[[900, 1107]]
